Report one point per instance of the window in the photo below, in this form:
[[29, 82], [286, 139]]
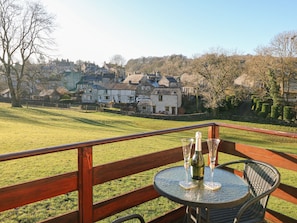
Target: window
[[160, 97]]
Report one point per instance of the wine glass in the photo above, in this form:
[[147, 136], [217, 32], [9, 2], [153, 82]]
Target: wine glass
[[212, 145], [187, 144]]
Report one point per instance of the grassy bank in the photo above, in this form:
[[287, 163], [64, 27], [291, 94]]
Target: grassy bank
[[31, 128]]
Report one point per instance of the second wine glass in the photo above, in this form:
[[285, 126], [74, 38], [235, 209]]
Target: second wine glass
[[212, 145]]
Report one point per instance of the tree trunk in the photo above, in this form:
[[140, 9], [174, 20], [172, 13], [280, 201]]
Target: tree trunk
[[15, 99], [16, 103]]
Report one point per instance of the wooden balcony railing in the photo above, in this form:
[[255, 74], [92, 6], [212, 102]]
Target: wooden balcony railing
[[87, 176]]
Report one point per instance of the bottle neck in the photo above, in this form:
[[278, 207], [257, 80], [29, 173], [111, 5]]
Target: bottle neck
[[198, 146]]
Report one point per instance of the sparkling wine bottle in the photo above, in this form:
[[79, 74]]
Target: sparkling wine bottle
[[197, 162]]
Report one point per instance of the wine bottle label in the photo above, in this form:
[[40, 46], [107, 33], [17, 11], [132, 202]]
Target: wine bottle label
[[197, 173]]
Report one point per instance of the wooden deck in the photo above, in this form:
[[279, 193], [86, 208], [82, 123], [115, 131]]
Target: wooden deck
[[87, 176]]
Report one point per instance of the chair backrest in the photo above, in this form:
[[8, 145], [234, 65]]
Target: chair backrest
[[262, 178]]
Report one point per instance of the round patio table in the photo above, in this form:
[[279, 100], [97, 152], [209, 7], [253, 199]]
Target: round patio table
[[234, 190]]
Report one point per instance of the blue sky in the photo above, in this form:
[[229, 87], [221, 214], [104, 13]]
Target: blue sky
[[95, 30]]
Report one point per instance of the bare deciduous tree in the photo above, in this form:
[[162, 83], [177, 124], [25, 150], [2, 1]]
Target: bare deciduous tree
[[284, 47], [219, 71], [118, 60], [25, 30], [258, 68]]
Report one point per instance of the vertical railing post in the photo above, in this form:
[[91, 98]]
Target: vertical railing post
[[214, 132], [85, 185]]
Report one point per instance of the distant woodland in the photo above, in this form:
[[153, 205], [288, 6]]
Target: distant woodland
[[173, 65]]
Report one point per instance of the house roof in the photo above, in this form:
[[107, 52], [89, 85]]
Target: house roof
[[108, 75], [57, 91], [171, 79], [6, 91], [153, 83], [98, 87], [165, 91], [134, 79], [90, 79], [185, 77], [167, 81], [45, 92], [244, 80], [62, 90], [71, 72], [119, 86]]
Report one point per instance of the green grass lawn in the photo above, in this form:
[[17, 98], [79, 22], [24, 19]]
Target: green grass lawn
[[32, 128]]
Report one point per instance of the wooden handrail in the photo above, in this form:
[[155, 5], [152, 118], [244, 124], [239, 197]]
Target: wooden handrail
[[259, 130], [88, 175]]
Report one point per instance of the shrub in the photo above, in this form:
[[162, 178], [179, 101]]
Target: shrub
[[275, 111], [254, 99], [235, 102], [265, 108], [258, 105], [254, 102], [288, 113]]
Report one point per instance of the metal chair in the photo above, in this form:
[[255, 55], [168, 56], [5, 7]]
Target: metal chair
[[129, 217], [262, 179]]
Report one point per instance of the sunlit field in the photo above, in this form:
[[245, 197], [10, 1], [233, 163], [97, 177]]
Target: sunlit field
[[31, 128]]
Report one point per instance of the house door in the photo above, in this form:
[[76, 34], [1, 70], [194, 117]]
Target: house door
[[173, 110], [154, 109]]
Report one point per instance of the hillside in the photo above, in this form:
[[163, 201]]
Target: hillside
[[173, 65]]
